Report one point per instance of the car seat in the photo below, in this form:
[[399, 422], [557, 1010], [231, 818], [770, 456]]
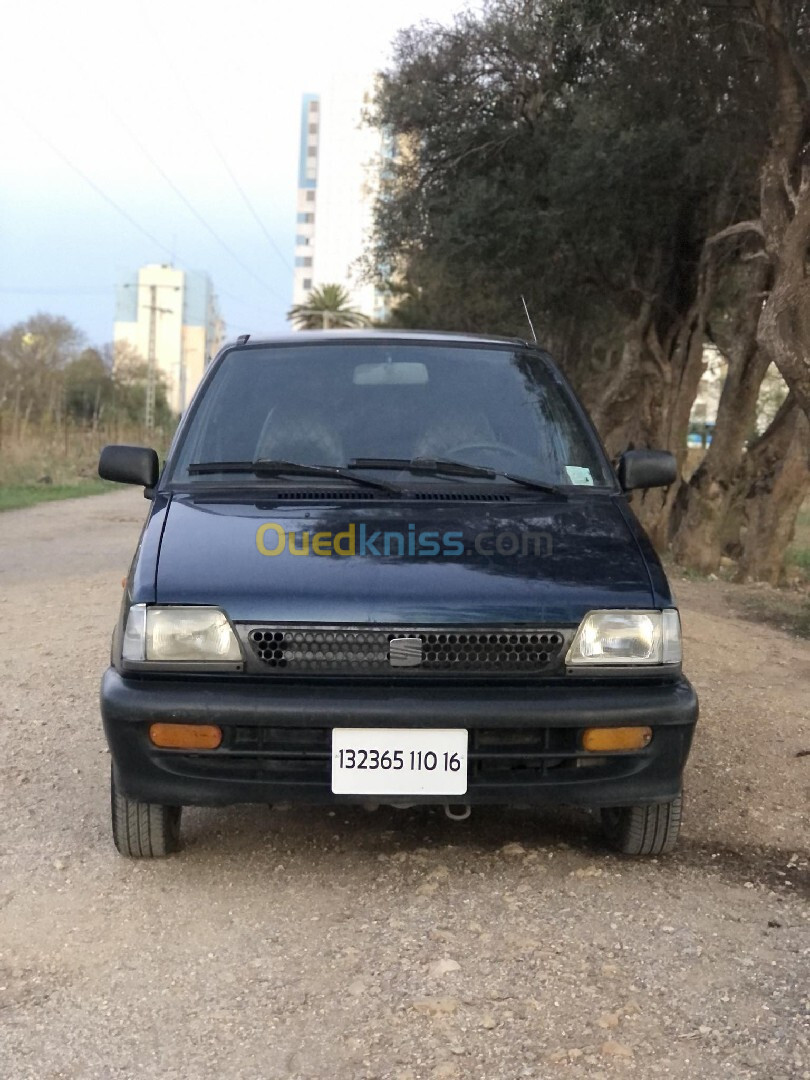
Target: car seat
[[305, 439], [445, 434]]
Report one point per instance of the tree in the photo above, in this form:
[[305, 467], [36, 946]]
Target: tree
[[776, 482], [774, 327], [704, 504], [580, 152], [784, 220], [130, 372], [48, 381], [88, 387], [327, 307], [605, 158], [33, 355]]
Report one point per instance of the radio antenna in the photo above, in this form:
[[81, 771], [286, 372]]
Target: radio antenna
[[528, 316]]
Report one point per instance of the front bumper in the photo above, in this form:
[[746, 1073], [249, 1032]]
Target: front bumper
[[524, 739]]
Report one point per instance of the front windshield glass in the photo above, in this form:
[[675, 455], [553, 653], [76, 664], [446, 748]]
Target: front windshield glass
[[332, 404]]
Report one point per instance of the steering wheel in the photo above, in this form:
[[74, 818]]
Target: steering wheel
[[494, 447]]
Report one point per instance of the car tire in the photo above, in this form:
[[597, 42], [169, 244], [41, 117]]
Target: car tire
[[643, 830], [143, 830]]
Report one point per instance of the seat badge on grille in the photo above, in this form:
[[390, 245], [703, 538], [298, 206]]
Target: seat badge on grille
[[405, 652]]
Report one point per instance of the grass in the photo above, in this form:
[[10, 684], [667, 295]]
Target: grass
[[41, 464], [788, 607], [686, 572], [783, 608], [19, 496], [798, 554]]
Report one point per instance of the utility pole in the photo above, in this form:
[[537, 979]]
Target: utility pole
[[151, 360], [149, 412]]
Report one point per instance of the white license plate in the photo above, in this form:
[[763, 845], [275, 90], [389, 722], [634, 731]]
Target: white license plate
[[399, 761]]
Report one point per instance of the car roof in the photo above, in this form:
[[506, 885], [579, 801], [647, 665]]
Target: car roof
[[415, 336]]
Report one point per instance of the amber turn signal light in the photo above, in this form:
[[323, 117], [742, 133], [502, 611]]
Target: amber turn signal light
[[186, 736], [616, 738]]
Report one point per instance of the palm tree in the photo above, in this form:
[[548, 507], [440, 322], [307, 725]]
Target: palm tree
[[327, 307]]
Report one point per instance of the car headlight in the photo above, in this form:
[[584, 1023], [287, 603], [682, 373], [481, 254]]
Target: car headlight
[[627, 637], [179, 633]]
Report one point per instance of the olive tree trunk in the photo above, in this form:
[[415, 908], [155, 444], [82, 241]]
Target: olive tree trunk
[[703, 504], [784, 222], [778, 481], [680, 362]]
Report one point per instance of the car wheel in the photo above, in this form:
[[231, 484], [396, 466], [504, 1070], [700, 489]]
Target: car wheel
[[643, 830], [143, 830]]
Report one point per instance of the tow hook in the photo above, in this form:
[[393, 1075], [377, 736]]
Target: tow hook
[[458, 813]]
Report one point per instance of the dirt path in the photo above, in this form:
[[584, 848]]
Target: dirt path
[[397, 944]]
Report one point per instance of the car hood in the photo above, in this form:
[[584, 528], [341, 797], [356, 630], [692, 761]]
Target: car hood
[[582, 555]]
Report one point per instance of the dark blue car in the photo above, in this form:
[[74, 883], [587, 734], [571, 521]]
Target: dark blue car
[[393, 568]]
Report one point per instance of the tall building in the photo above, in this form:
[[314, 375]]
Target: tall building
[[178, 308], [341, 159], [306, 207]]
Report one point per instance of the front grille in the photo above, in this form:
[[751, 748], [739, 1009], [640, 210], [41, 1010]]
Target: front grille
[[497, 757], [356, 650]]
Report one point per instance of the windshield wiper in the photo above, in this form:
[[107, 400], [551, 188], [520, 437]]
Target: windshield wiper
[[265, 467], [444, 467]]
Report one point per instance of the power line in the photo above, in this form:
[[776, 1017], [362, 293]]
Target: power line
[[98, 190], [247, 201], [201, 121], [126, 215], [32, 290], [151, 377], [162, 172], [241, 299]]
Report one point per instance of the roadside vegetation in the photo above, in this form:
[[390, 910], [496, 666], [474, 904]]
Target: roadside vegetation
[[639, 172], [43, 462], [787, 608], [60, 402], [19, 496]]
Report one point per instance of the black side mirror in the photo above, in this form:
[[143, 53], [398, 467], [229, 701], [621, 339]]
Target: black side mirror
[[129, 465], [646, 469]]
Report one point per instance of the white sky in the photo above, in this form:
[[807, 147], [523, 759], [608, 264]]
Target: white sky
[[108, 85]]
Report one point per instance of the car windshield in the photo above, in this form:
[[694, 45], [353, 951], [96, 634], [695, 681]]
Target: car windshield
[[375, 405]]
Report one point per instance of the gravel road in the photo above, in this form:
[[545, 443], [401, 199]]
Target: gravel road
[[397, 944]]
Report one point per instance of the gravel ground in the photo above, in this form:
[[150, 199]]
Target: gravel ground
[[396, 944]]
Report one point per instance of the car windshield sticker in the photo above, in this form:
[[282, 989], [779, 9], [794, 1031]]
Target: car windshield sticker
[[578, 474]]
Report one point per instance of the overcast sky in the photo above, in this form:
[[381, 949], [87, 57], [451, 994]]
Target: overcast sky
[[118, 94]]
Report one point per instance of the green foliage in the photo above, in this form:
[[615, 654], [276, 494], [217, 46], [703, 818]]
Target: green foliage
[[798, 554], [19, 496], [128, 373], [575, 151], [326, 307], [87, 385], [47, 378], [33, 355]]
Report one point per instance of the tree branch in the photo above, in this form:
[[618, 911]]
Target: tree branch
[[755, 226], [789, 190]]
